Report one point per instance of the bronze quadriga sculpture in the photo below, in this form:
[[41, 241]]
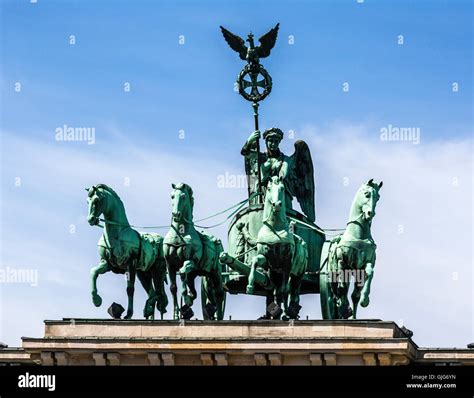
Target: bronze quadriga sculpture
[[273, 250]]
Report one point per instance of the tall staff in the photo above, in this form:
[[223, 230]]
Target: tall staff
[[254, 81]]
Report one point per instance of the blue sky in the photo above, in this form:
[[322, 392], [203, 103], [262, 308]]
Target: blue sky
[[172, 85], [190, 87]]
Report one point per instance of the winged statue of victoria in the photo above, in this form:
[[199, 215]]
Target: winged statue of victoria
[[296, 171], [252, 54]]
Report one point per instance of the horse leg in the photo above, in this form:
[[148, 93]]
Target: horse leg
[[284, 292], [343, 308], [355, 296], [279, 290], [259, 260], [188, 274], [191, 279], [174, 293], [340, 275], [369, 270], [159, 279], [280, 299], [100, 269], [341, 289], [130, 291], [146, 281], [294, 287], [208, 289]]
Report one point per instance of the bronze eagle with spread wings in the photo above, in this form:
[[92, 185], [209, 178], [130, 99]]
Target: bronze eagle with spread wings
[[252, 54]]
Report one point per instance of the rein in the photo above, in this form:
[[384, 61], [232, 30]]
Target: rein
[[238, 206], [356, 221]]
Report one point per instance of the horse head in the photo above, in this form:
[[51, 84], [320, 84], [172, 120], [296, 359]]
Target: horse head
[[104, 200], [367, 198], [182, 201], [95, 200], [275, 200]]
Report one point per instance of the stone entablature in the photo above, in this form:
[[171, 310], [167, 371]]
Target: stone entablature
[[140, 342]]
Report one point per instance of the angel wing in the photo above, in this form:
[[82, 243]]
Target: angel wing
[[267, 42], [303, 181], [235, 42]]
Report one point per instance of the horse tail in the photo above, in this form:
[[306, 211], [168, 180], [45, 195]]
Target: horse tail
[[300, 258]]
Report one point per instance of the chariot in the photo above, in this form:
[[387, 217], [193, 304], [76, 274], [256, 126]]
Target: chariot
[[243, 229]]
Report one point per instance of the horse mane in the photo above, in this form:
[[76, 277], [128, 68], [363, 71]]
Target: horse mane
[[110, 190]]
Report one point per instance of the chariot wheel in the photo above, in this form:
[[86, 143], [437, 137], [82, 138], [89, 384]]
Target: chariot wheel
[[328, 305]]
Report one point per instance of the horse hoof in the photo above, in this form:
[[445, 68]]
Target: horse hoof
[[345, 312], [365, 302], [147, 314], [129, 315], [249, 290], [162, 312], [293, 310], [97, 300], [186, 312]]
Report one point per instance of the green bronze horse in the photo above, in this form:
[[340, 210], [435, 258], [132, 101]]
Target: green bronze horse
[[281, 252], [123, 250], [352, 255], [191, 253]]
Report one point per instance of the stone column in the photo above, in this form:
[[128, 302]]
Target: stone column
[[61, 358], [275, 359], [99, 358], [385, 359], [47, 358], [330, 359], [154, 359], [260, 359], [221, 359], [113, 358], [316, 359], [369, 358], [207, 360], [167, 358]]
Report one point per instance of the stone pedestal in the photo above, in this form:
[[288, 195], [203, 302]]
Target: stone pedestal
[[268, 343]]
